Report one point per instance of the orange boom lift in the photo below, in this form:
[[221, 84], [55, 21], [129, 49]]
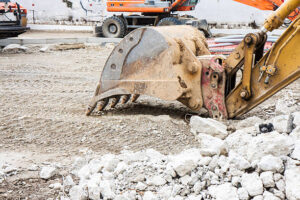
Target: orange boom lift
[[269, 5]]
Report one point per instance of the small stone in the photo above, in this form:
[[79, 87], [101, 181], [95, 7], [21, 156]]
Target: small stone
[[109, 45], [138, 178], [252, 183], [14, 48], [224, 191], [149, 196], [238, 161], [243, 194], [55, 186], [271, 163], [208, 126], [269, 196], [280, 185], [198, 187], [211, 146], [248, 122], [44, 49], [296, 152], [165, 192], [279, 194], [296, 116], [121, 167], [235, 181], [33, 168], [281, 123], [47, 172], [292, 178], [295, 134], [110, 162], [156, 180], [68, 181], [194, 178], [106, 189], [140, 186], [94, 192], [258, 197], [277, 177], [204, 161], [78, 193], [168, 178], [84, 172], [185, 179], [184, 167], [267, 179]]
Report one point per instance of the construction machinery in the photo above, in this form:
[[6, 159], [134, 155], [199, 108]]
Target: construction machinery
[[173, 63], [13, 20], [269, 5], [164, 13], [152, 13]]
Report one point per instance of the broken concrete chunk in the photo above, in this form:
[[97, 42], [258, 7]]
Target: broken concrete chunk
[[208, 126], [78, 193], [253, 184], [296, 152], [48, 172], [14, 48], [292, 180], [271, 163], [184, 167], [267, 179], [211, 146], [223, 191]]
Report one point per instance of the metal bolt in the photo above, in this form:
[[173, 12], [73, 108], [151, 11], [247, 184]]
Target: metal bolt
[[237, 55], [248, 39], [243, 94]]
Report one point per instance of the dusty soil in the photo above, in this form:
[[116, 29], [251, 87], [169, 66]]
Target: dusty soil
[[43, 100]]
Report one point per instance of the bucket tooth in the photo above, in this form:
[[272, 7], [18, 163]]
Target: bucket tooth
[[134, 97], [125, 99], [102, 104], [114, 101]]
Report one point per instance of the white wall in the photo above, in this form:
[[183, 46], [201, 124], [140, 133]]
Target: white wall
[[220, 11]]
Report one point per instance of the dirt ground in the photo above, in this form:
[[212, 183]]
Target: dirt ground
[[42, 117]]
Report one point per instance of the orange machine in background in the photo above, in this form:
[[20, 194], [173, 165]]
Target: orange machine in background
[[161, 13], [268, 5], [151, 13], [13, 19]]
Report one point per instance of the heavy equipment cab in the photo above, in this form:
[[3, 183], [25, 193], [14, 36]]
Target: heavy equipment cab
[[13, 19]]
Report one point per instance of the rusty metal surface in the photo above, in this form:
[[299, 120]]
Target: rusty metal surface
[[213, 86], [156, 61]]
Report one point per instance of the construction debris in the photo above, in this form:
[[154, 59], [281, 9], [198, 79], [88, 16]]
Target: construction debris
[[273, 173]]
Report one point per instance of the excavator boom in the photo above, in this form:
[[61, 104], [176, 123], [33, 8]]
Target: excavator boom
[[173, 63]]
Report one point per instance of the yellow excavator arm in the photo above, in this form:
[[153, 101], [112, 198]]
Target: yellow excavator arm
[[173, 63]]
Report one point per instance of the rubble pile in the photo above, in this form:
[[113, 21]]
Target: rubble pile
[[243, 164]]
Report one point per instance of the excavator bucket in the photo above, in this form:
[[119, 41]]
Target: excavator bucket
[[155, 61]]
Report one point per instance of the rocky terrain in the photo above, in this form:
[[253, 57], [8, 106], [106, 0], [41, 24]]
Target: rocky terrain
[[150, 149]]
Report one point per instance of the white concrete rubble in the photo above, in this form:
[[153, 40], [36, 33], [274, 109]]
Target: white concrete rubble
[[208, 126], [48, 172]]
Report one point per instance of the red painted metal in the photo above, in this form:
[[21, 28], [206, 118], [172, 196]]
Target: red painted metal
[[214, 94]]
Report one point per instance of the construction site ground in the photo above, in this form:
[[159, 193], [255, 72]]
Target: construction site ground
[[43, 99]]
